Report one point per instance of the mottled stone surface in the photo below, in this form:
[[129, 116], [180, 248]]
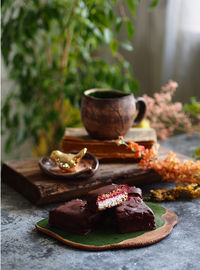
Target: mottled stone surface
[[182, 143], [24, 248]]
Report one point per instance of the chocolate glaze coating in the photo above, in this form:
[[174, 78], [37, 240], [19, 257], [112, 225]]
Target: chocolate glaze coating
[[134, 192], [74, 216], [108, 218], [134, 215], [80, 217]]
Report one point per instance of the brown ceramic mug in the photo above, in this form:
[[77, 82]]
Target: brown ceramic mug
[[107, 114]]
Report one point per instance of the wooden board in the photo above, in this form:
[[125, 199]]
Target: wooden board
[[25, 177], [108, 151], [107, 238]]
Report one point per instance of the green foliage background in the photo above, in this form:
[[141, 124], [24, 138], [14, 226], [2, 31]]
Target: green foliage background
[[193, 109], [54, 50]]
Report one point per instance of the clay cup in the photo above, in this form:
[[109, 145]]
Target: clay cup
[[107, 114]]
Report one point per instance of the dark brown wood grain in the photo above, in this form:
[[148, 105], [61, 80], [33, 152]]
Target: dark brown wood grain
[[26, 177]]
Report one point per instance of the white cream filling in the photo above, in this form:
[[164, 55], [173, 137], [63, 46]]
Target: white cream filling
[[110, 202]]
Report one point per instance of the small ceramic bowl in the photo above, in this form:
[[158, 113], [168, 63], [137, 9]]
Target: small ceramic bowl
[[87, 167]]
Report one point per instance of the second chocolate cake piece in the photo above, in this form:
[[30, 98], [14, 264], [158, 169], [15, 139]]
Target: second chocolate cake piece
[[134, 215], [134, 192], [73, 216], [106, 197]]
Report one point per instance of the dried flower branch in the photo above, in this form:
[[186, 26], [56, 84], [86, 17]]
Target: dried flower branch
[[171, 168], [188, 191], [165, 116], [140, 152]]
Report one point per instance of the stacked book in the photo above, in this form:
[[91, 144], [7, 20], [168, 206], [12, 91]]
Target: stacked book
[[108, 150]]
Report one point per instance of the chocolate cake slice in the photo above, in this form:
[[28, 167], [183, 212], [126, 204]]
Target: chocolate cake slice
[[74, 216], [134, 215], [106, 197], [134, 192]]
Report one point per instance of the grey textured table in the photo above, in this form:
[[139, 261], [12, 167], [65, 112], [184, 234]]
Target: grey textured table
[[25, 248]]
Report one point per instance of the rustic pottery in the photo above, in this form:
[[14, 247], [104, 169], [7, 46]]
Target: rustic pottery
[[107, 114]]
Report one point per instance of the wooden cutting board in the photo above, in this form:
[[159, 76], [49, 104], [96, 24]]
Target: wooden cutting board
[[25, 177]]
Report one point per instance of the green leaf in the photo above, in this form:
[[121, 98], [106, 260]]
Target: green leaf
[[131, 6], [16, 120], [118, 25], [127, 45], [107, 35], [130, 29], [6, 109], [111, 14], [153, 4], [126, 65], [134, 86], [104, 235], [97, 32], [114, 46], [8, 145]]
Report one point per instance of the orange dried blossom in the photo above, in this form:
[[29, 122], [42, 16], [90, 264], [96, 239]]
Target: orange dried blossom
[[171, 168]]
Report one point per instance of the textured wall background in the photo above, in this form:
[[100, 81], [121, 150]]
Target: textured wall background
[[167, 46]]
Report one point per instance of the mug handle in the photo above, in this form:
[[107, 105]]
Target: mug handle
[[142, 107]]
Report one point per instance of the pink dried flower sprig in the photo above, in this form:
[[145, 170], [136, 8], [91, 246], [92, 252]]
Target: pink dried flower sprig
[[165, 116]]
